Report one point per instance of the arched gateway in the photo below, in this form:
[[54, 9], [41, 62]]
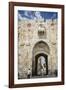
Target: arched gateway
[[40, 59]]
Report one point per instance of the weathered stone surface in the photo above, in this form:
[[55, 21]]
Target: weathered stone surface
[[28, 37]]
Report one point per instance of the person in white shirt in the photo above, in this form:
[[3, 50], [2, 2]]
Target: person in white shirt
[[28, 73]]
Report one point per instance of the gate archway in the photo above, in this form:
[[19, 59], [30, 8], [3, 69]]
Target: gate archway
[[40, 58]]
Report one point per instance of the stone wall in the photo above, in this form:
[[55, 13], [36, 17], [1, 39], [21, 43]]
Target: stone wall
[[31, 32]]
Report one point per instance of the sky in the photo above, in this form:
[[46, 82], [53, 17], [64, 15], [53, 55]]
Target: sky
[[24, 14]]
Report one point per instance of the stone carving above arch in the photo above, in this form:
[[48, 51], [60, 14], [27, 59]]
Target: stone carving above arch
[[42, 31]]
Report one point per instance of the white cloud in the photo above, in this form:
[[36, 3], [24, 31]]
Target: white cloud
[[38, 15], [26, 13], [19, 16]]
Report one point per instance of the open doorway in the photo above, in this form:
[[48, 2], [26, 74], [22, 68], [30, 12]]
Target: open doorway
[[41, 63]]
